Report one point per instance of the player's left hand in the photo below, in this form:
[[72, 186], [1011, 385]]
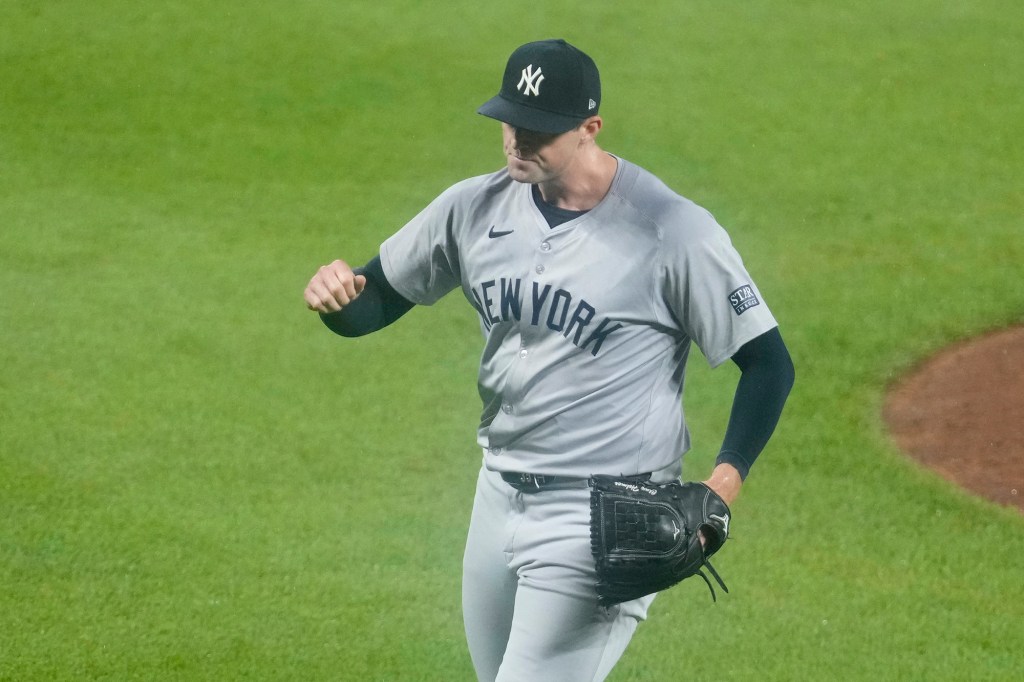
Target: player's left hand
[[725, 480], [644, 536]]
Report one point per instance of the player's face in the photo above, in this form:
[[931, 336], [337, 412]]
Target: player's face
[[534, 157]]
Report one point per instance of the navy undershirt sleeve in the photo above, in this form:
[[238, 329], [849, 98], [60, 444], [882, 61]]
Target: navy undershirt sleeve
[[377, 306], [766, 380]]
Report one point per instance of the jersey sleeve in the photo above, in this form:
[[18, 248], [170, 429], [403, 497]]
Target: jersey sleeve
[[709, 291], [421, 260]]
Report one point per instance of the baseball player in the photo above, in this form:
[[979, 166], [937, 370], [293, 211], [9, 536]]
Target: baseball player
[[590, 279]]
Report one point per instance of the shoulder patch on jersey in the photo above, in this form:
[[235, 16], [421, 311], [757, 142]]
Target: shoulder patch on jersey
[[743, 299]]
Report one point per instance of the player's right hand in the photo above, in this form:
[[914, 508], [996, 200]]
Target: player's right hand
[[333, 287]]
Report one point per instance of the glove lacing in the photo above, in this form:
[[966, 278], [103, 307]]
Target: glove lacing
[[714, 573]]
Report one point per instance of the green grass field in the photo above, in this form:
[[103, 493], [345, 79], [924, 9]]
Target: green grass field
[[199, 482]]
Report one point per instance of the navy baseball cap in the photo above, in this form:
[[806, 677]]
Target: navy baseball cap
[[549, 87]]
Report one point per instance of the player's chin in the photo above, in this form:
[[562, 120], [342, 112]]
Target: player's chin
[[523, 170]]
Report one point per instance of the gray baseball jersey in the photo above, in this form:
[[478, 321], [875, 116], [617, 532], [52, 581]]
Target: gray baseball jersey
[[587, 326]]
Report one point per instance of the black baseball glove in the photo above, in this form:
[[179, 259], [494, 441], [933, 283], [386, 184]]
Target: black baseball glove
[[645, 536]]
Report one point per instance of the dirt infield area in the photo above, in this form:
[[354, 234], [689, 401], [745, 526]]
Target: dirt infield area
[[962, 414]]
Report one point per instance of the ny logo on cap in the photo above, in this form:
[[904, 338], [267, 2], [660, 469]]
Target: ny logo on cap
[[531, 80]]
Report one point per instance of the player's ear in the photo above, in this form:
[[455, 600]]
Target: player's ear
[[590, 128]]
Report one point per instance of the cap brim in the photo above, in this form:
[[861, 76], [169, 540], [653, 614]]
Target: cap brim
[[520, 116]]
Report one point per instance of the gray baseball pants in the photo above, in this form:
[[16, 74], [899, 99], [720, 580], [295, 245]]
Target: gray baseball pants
[[528, 598]]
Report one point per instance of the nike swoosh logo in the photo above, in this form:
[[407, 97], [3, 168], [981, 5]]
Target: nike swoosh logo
[[495, 234]]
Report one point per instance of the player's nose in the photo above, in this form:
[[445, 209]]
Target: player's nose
[[521, 140]]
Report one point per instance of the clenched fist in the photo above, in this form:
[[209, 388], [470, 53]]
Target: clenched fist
[[333, 287]]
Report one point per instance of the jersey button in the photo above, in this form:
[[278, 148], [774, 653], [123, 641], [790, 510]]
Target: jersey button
[[539, 269], [506, 408], [545, 246], [523, 353]]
